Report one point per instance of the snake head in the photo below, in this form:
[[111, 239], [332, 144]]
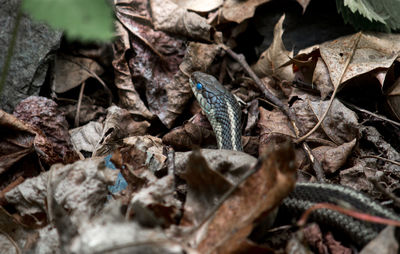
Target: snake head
[[207, 89]]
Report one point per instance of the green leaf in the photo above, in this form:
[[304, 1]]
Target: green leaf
[[86, 20], [382, 15]]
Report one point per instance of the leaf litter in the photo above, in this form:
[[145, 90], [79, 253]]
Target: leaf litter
[[181, 197]]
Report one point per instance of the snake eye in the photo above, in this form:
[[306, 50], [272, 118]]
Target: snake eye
[[199, 86]]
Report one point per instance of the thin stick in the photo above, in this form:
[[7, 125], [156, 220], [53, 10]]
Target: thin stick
[[78, 106], [381, 158], [321, 119]]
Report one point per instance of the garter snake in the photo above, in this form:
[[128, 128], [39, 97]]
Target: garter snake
[[224, 114]]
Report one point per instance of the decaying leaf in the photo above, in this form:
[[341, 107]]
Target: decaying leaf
[[129, 97], [118, 125], [43, 114], [371, 51], [385, 242], [85, 138], [170, 17], [71, 71], [333, 158], [340, 125], [271, 60], [21, 147], [258, 194], [80, 187], [237, 10]]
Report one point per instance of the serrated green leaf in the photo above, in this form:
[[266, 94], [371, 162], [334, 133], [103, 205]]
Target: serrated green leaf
[[382, 15], [364, 9], [86, 20]]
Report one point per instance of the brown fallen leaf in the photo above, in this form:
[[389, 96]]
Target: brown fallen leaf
[[71, 71], [372, 50], [237, 10], [170, 17], [80, 187], [340, 125], [21, 148], [128, 96], [257, 195], [44, 114], [333, 158], [118, 125], [271, 61]]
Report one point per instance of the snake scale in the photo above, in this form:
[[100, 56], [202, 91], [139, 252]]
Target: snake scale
[[224, 114]]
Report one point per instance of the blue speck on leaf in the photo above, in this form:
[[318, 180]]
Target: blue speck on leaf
[[199, 86]]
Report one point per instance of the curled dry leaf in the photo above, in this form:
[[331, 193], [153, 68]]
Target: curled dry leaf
[[118, 125], [153, 148], [170, 17], [86, 138], [237, 10], [81, 187], [260, 193], [43, 114], [71, 71], [129, 97], [332, 158], [20, 148], [357, 176], [271, 60]]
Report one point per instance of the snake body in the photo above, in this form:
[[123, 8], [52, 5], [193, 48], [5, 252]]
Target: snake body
[[223, 112]]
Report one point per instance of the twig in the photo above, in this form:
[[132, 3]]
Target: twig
[[381, 158], [11, 47], [370, 113], [285, 109], [78, 106], [336, 86]]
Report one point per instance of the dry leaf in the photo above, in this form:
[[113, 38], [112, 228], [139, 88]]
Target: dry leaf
[[85, 138], [258, 194], [43, 114], [118, 125], [81, 187], [332, 158], [340, 125], [199, 6], [373, 50], [321, 79], [304, 4], [170, 17], [71, 71], [357, 176], [128, 96], [237, 10], [274, 57]]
